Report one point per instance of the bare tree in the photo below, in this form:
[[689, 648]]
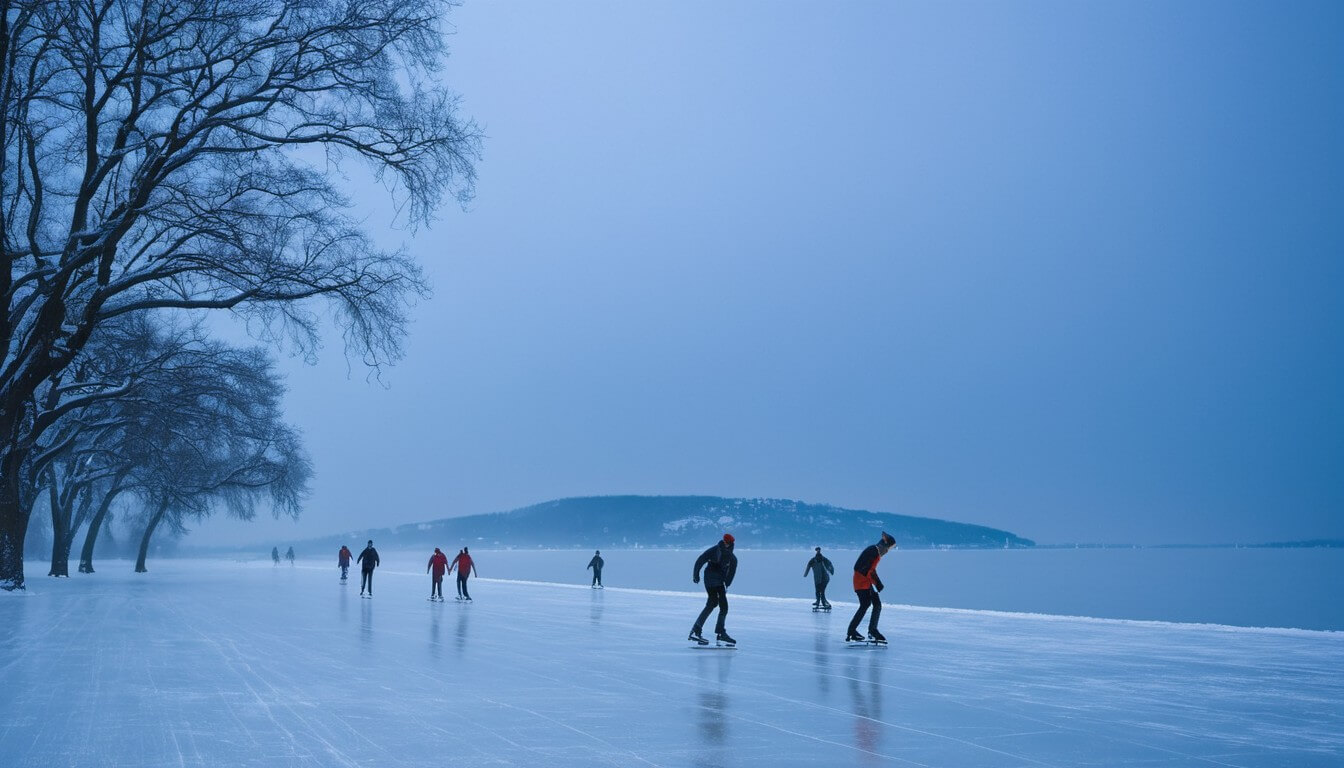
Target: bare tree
[[178, 154]]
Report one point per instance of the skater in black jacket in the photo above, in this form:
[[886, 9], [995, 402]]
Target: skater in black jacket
[[821, 569], [720, 566], [596, 564], [368, 560]]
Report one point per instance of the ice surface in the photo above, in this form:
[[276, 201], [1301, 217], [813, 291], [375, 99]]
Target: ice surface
[[212, 663]]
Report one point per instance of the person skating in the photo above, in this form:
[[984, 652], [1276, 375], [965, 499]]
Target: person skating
[[866, 585], [275, 555], [596, 564], [343, 561], [438, 563], [720, 566], [465, 567], [368, 560], [290, 556], [821, 569]]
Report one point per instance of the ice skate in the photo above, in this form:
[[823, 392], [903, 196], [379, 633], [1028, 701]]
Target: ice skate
[[723, 639], [876, 637], [854, 637], [696, 637]]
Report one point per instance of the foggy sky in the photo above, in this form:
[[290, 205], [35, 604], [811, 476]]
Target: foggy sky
[[1070, 269]]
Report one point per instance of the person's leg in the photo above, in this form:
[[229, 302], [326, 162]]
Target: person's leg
[[723, 610], [865, 599], [599, 577], [363, 581], [594, 577], [816, 603], [711, 602], [465, 594], [877, 611], [821, 592]]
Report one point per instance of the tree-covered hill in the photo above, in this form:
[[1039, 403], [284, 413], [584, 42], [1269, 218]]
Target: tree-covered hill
[[678, 522]]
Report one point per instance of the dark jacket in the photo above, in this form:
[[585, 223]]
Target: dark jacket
[[865, 570], [821, 569], [368, 558], [596, 562], [720, 565], [343, 557]]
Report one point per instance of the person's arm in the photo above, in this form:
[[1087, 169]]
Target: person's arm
[[700, 563], [808, 569], [376, 560], [732, 571], [473, 568], [876, 581], [829, 568]]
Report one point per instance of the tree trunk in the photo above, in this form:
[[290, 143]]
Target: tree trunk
[[149, 531], [95, 525], [13, 523], [60, 521]]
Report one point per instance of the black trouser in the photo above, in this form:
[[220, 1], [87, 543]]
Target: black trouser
[[718, 598], [436, 586], [821, 592], [366, 580], [344, 570], [462, 587], [867, 597], [597, 577]]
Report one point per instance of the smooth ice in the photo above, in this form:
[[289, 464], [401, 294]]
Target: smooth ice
[[213, 663]]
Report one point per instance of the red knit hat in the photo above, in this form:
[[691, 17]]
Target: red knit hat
[[728, 537]]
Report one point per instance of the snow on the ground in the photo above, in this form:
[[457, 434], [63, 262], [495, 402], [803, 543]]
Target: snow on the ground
[[208, 663]]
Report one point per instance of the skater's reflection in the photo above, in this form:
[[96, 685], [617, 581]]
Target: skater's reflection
[[366, 621], [820, 662], [595, 612], [461, 634], [865, 688], [714, 704], [435, 647]]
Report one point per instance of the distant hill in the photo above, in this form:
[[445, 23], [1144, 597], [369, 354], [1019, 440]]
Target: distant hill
[[678, 522]]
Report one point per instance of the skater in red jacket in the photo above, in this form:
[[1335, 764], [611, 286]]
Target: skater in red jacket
[[465, 567], [438, 563], [343, 561], [866, 586]]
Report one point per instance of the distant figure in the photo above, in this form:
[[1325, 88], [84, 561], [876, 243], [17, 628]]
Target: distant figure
[[368, 560], [720, 566], [596, 565], [343, 559], [438, 563], [866, 586], [821, 569], [465, 567], [290, 556], [275, 555]]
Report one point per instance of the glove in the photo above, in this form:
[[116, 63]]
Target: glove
[[879, 586], [696, 578]]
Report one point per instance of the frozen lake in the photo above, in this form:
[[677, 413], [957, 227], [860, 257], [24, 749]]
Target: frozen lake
[[211, 663]]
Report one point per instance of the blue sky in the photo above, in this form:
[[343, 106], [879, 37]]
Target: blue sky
[[1075, 270]]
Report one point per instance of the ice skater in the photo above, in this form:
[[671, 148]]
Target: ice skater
[[465, 567], [720, 566], [343, 561], [275, 555], [866, 586], [596, 565], [821, 569], [290, 556], [438, 563], [368, 560]]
